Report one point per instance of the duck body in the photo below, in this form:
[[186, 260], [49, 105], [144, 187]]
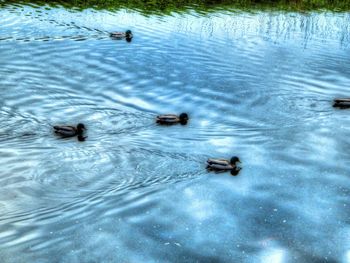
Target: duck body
[[222, 165], [121, 35], [69, 131], [342, 103], [172, 119], [219, 164]]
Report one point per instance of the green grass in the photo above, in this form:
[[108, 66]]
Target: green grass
[[167, 6]]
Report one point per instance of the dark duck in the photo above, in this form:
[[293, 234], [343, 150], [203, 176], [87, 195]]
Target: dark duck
[[169, 119], [127, 35], [223, 165], [70, 131], [342, 103]]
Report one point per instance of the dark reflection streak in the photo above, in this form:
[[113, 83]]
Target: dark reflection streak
[[345, 29], [287, 24]]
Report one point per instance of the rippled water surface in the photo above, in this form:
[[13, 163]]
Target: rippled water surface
[[256, 85]]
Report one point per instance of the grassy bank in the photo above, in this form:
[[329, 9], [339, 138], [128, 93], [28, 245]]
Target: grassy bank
[[201, 5]]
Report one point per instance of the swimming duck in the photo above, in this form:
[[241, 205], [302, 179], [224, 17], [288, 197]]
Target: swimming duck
[[222, 165], [70, 131], [120, 35], [342, 103], [172, 119]]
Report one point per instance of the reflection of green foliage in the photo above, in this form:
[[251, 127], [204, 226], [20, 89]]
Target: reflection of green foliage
[[167, 6]]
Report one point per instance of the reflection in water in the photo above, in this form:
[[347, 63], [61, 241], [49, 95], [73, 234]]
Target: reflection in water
[[256, 85]]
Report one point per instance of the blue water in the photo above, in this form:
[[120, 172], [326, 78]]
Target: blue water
[[256, 85]]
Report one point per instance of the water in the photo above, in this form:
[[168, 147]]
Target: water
[[256, 85]]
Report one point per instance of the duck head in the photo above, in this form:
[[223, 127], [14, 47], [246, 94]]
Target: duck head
[[234, 160], [80, 128], [128, 35], [183, 118]]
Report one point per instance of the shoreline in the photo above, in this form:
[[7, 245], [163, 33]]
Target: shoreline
[[169, 6]]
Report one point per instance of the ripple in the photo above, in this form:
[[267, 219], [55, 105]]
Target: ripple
[[256, 85]]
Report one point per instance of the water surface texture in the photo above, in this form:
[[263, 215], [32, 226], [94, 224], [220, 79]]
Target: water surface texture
[[256, 85]]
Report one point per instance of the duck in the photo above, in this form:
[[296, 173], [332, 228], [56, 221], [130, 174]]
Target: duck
[[172, 119], [342, 103], [70, 131], [121, 35], [223, 165]]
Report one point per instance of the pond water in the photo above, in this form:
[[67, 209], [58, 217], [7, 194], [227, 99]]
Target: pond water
[[258, 85]]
